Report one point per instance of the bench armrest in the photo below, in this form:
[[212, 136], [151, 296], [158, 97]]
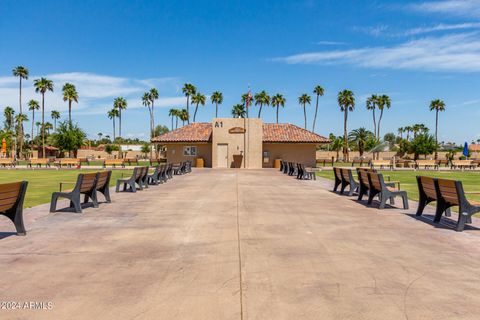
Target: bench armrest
[[66, 182], [472, 192]]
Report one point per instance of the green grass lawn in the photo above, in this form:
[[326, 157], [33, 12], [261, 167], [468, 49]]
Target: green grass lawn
[[41, 183], [470, 180]]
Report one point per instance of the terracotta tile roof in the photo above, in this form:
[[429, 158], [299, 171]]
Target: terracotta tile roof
[[194, 132], [285, 132], [474, 147], [272, 132]]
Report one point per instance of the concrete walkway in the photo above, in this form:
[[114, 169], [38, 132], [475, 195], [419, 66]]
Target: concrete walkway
[[228, 244]]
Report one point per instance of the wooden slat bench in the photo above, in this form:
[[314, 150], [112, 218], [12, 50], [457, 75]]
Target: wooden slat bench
[[68, 162], [4, 162], [38, 162], [426, 164], [462, 164], [114, 163], [86, 185], [384, 192], [324, 162], [132, 161], [348, 180], [11, 203], [381, 164]]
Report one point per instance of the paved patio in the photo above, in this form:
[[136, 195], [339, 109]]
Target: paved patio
[[233, 244]]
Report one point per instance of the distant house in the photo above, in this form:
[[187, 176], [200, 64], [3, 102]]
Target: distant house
[[241, 143]]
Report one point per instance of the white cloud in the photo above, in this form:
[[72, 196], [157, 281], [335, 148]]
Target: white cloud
[[466, 8], [96, 92], [330, 43], [458, 52], [442, 27]]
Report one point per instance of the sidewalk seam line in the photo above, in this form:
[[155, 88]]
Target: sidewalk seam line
[[239, 251]]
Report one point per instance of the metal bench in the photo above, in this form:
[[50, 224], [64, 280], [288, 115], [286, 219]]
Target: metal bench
[[384, 192], [348, 180], [38, 162], [11, 203], [113, 163], [4, 162], [130, 184], [381, 164], [68, 162], [426, 164]]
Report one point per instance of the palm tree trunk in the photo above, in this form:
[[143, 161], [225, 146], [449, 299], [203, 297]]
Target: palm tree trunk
[[176, 122], [436, 135], [119, 122], [172, 122], [113, 128], [20, 126], [43, 125], [33, 123], [260, 110], [188, 110], [216, 109], [378, 127], [374, 123], [195, 114], [305, 115], [345, 137], [315, 117], [278, 107], [70, 112]]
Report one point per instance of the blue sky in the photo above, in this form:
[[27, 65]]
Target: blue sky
[[414, 51]]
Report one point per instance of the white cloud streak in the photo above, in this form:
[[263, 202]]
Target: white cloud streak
[[464, 8], [457, 53], [442, 27]]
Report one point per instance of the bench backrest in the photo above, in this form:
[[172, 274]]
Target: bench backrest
[[381, 162], [337, 172], [7, 160], [113, 161], [426, 162], [461, 162], [69, 161], [449, 190], [87, 181], [375, 180], [103, 178], [39, 161], [428, 186], [345, 174], [363, 177], [11, 194]]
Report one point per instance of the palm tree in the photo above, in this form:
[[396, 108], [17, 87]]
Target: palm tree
[[360, 137], [372, 105], [19, 120], [43, 85], [173, 113], [22, 73], [197, 99], [383, 101], [112, 114], [438, 106], [100, 135], [408, 129], [120, 104], [183, 115], [55, 116], [319, 91], [9, 115], [346, 101], [48, 127], [153, 94], [247, 100], [262, 98], [147, 102], [38, 124], [32, 106], [337, 144], [401, 130], [304, 99], [69, 94], [278, 101], [217, 98], [238, 111], [415, 129], [188, 90]]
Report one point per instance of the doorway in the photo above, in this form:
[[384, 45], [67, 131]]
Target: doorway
[[222, 155]]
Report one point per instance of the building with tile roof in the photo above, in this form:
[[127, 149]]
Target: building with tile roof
[[240, 143]]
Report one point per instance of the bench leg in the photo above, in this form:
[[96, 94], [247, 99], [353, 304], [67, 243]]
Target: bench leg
[[405, 201], [462, 219], [421, 206], [371, 195], [53, 203], [117, 187], [106, 194], [383, 201]]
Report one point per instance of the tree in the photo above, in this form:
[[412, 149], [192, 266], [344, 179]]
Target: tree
[[38, 124], [422, 144], [159, 130], [153, 94], [408, 129], [401, 130], [173, 113], [359, 137], [319, 91], [22, 73], [145, 149], [32, 106], [112, 114], [55, 116], [147, 102], [390, 138], [217, 98], [438, 106], [382, 102], [68, 137], [183, 115], [120, 104], [197, 99], [48, 127], [262, 98], [188, 90], [69, 94], [43, 85], [371, 105], [9, 115], [278, 101], [337, 145], [238, 111], [304, 99], [346, 101], [100, 135]]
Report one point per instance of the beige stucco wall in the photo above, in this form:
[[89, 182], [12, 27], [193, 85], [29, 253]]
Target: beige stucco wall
[[249, 144], [175, 153], [383, 155], [294, 152]]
